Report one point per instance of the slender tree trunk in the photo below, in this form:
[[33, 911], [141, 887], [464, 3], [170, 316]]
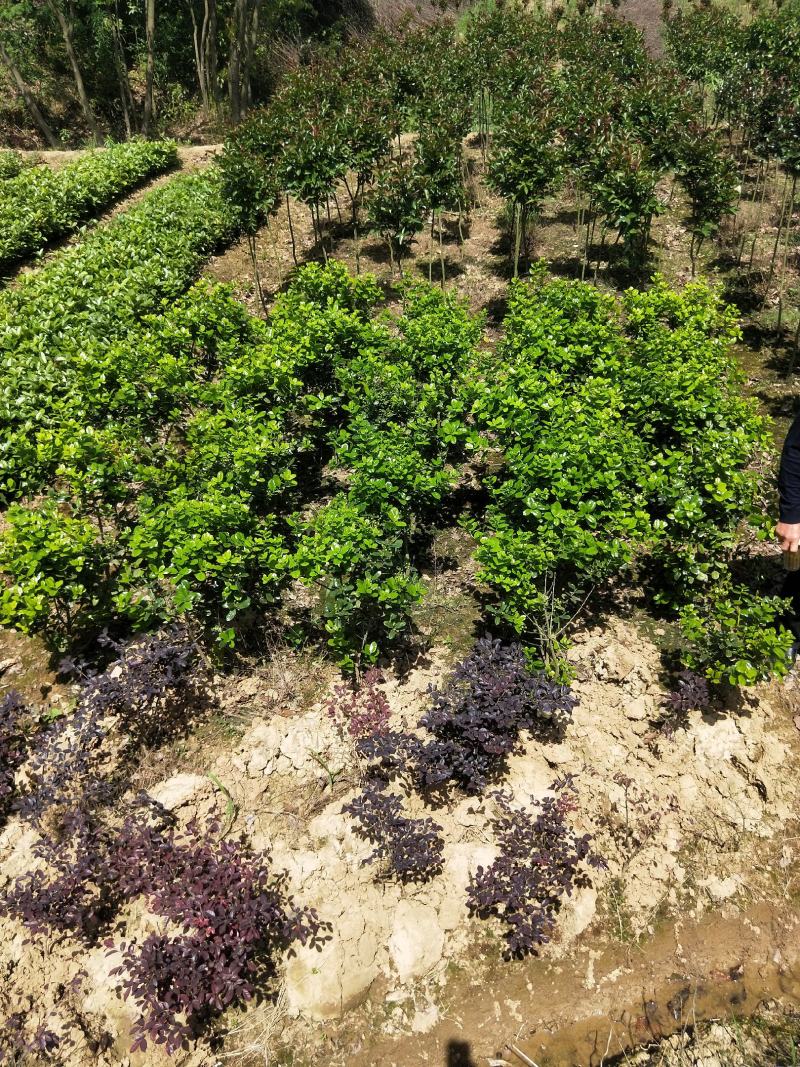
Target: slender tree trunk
[[150, 37], [199, 57], [441, 252], [291, 230], [244, 27], [66, 32], [517, 236], [251, 39], [125, 94], [28, 98], [210, 48]]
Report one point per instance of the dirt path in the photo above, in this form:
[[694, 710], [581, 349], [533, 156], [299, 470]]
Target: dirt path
[[606, 1000], [190, 156]]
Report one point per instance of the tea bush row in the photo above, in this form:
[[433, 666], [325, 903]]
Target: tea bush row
[[40, 204], [183, 476], [627, 451], [59, 325]]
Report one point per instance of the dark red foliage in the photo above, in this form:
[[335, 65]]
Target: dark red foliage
[[691, 692], [230, 922], [145, 696], [361, 712], [477, 718], [410, 848], [541, 860], [17, 1043], [473, 725], [13, 747]]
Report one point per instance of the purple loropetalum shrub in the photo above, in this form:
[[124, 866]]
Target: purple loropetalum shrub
[[229, 919], [411, 849], [473, 724], [540, 861], [18, 1044], [75, 886], [145, 696], [477, 717], [691, 692], [228, 913], [149, 687], [360, 712], [13, 747]]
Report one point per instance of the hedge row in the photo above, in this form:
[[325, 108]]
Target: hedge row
[[58, 325], [39, 204]]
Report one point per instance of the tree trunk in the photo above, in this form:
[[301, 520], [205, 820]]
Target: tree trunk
[[125, 94], [250, 51], [150, 35], [66, 32], [235, 60], [27, 96], [199, 57], [210, 48], [244, 28]]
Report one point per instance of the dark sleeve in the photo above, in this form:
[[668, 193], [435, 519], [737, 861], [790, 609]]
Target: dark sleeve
[[789, 476]]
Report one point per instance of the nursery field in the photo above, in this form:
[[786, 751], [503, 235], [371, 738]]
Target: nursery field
[[393, 658]]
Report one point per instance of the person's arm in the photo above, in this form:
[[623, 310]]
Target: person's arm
[[788, 529]]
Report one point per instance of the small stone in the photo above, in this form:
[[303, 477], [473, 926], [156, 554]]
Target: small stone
[[258, 763], [638, 709], [722, 888]]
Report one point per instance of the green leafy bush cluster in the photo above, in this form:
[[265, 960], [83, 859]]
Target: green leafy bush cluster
[[183, 484], [625, 447], [216, 457], [10, 163], [59, 324], [39, 203]]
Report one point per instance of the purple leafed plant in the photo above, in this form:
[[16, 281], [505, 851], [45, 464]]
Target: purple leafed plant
[[75, 889], [228, 915], [144, 696], [541, 860], [363, 712], [409, 848], [13, 747], [476, 719], [691, 692], [229, 922], [17, 1044]]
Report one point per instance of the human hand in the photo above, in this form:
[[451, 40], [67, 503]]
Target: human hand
[[788, 534]]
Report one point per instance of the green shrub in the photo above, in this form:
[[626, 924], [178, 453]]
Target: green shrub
[[58, 573], [10, 164], [735, 636], [622, 440], [360, 565]]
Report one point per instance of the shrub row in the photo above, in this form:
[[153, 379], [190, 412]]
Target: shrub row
[[59, 325], [208, 458], [39, 204], [626, 447], [179, 484]]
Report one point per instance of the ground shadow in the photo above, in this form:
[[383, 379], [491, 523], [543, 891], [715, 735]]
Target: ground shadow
[[459, 1054]]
